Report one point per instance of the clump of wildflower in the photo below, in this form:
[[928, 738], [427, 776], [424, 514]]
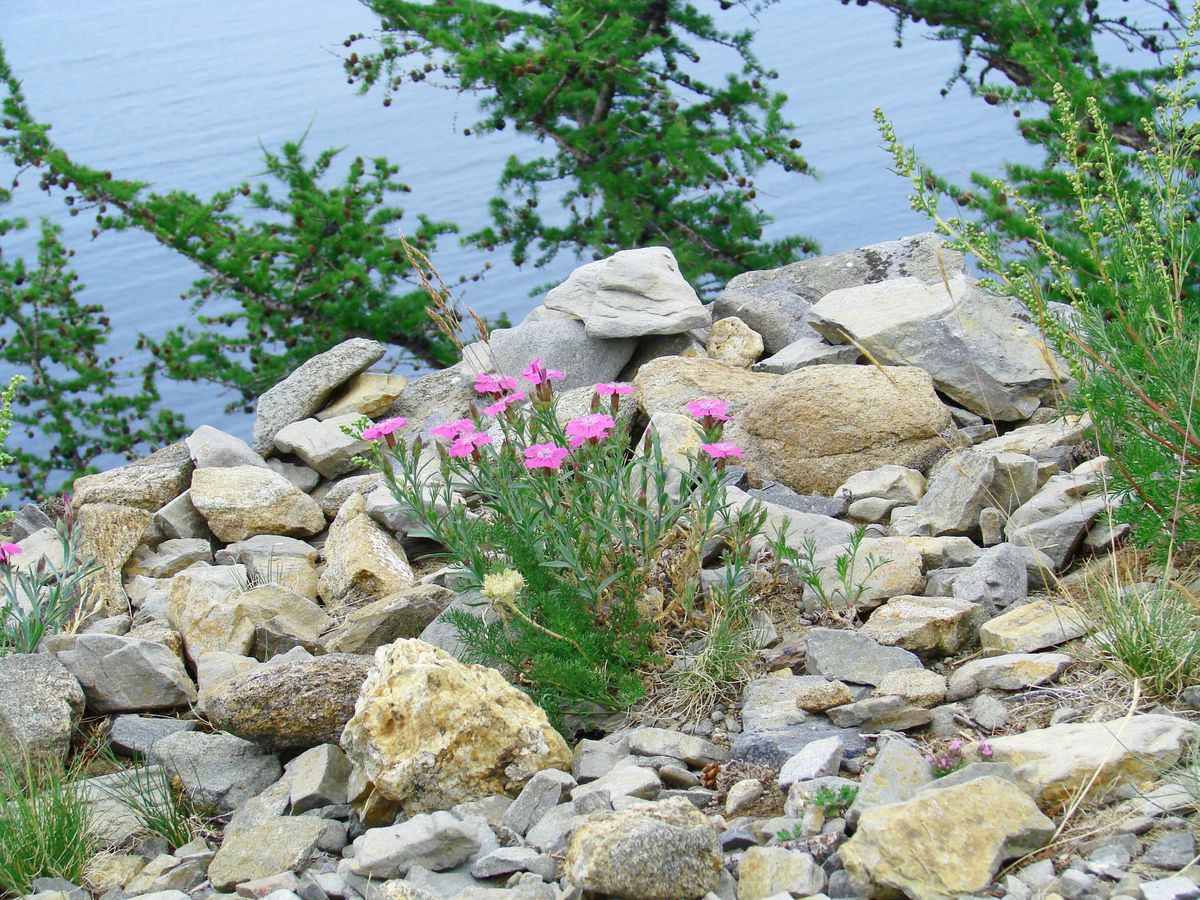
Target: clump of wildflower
[[496, 385], [545, 456], [384, 430], [723, 450], [952, 759], [501, 406], [8, 550], [502, 587], [984, 749], [537, 374], [452, 431], [594, 428], [709, 411], [469, 444]]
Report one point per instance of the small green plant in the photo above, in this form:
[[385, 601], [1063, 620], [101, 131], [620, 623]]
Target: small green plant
[[149, 794], [834, 803], [39, 600], [845, 589], [574, 537], [1147, 632], [6, 416], [45, 825], [795, 833]]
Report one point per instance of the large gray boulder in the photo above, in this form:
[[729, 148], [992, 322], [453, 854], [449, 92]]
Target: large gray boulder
[[630, 294], [563, 343], [41, 703], [305, 391], [217, 770], [982, 350], [127, 674]]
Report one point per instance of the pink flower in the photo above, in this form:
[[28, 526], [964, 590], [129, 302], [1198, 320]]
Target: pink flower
[[8, 550], [544, 456], [611, 388], [504, 403], [536, 373], [384, 428], [985, 749], [595, 426], [723, 450], [467, 444], [709, 408], [453, 430], [494, 384]]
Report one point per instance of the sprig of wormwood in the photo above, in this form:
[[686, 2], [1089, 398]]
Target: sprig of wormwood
[[610, 556]]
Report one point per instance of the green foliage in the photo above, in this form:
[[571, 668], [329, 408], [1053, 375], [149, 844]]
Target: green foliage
[[44, 824], [149, 795], [844, 590], [585, 561], [1018, 54], [38, 600], [833, 803], [1133, 335], [6, 414], [75, 401], [639, 148], [306, 265]]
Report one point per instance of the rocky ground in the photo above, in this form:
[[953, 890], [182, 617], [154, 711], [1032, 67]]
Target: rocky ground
[[268, 633]]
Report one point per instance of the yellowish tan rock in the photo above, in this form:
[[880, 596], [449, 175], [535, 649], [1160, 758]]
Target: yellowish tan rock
[[947, 842], [367, 394], [239, 502], [732, 341], [1032, 626], [429, 732], [110, 535], [920, 687], [818, 695], [363, 562]]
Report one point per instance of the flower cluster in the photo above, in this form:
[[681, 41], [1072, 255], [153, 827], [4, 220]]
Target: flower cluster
[[952, 759], [713, 414], [8, 551]]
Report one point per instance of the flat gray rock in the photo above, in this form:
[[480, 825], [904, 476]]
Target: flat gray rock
[[133, 735], [850, 656], [217, 769]]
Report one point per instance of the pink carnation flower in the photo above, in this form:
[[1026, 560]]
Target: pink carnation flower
[[709, 408], [453, 430], [611, 388], [467, 444], [536, 373], [503, 403], [594, 426], [494, 384], [723, 450], [8, 550], [544, 456], [384, 428]]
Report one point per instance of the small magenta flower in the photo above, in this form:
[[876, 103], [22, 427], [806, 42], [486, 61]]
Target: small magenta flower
[[451, 431], [710, 409], [537, 374], [723, 450], [494, 384], [502, 405], [8, 551], [611, 389], [985, 749], [384, 430], [544, 456], [594, 427], [469, 444]]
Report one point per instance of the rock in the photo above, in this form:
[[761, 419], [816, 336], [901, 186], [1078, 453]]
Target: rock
[[131, 735], [945, 843], [41, 704], [362, 561], [1177, 887], [507, 860], [180, 519], [774, 747], [551, 833], [28, 520], [989, 713], [668, 384], [694, 751], [466, 732], [795, 527], [872, 714], [211, 448], [742, 797], [897, 483], [1055, 519], [657, 851], [305, 391], [816, 694], [404, 614], [630, 294], [110, 535], [562, 343], [641, 782], [818, 759], [281, 619], [853, 657], [124, 674], [920, 687], [733, 342], [242, 501], [900, 770], [1012, 672], [1056, 762], [811, 504], [217, 770], [1032, 626], [1030, 440], [323, 445], [435, 841], [290, 706], [332, 495], [928, 626], [983, 350], [542, 793], [170, 558], [996, 580], [771, 701], [112, 870], [443, 634], [814, 428], [807, 351], [276, 845], [766, 872], [319, 777], [775, 302], [369, 394], [147, 484], [303, 477], [958, 491]]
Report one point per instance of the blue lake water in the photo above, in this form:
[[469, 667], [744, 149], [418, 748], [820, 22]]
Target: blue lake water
[[180, 94]]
